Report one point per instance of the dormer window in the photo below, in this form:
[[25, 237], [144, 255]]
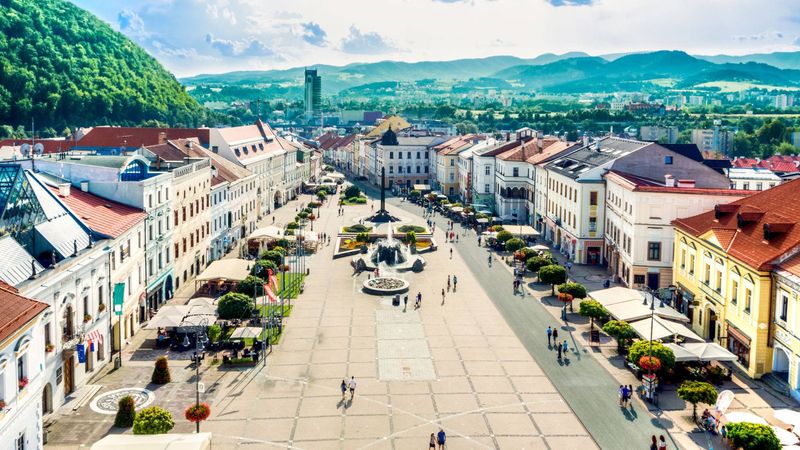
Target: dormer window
[[236, 150]]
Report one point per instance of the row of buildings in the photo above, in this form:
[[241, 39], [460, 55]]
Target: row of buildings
[[96, 238]]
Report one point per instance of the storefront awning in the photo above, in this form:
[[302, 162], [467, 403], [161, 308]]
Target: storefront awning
[[627, 304], [232, 269], [663, 329]]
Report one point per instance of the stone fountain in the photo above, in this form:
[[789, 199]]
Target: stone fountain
[[388, 256]]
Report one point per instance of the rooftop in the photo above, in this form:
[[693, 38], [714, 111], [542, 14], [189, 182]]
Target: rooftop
[[551, 151], [641, 184], [396, 122], [134, 137], [103, 216], [576, 163], [756, 230], [17, 311]]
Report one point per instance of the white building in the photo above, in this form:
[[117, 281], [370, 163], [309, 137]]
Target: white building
[[22, 373], [752, 178]]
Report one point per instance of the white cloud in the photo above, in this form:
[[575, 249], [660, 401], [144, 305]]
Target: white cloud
[[130, 23], [313, 34], [243, 48], [365, 43]]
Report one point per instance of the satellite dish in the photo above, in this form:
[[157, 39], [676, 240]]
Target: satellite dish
[[38, 149], [25, 149]]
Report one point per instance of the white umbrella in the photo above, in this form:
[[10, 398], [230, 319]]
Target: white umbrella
[[788, 416], [246, 333], [540, 248], [786, 437], [681, 354], [709, 351], [741, 416]]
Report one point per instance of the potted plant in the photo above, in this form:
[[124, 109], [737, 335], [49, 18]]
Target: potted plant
[[87, 317], [49, 348], [101, 307], [23, 382], [197, 413]]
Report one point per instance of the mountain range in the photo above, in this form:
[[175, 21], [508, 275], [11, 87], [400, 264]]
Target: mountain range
[[572, 72]]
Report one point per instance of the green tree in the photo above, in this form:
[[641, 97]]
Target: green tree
[[592, 309], [352, 191], [786, 148], [126, 412], [696, 392], [621, 331], [214, 332], [504, 236], [576, 290], [250, 286], [410, 238], [153, 420], [535, 263], [514, 244], [660, 351], [552, 275], [753, 436], [235, 306], [261, 270], [161, 373], [322, 194]]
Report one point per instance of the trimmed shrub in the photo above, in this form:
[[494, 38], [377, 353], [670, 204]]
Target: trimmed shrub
[[352, 191], [620, 330], [292, 226], [696, 392], [591, 309], [407, 228], [362, 237], [357, 228], [642, 348], [504, 236], [235, 306], [214, 332], [753, 436], [161, 373], [250, 286], [126, 412], [576, 290], [410, 238], [153, 420], [536, 262], [552, 275], [514, 244]]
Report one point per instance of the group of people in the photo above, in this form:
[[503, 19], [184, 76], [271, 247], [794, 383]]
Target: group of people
[[552, 341], [349, 385], [438, 438], [625, 394], [658, 444]]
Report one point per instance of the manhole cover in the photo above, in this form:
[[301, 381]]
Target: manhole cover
[[106, 403]]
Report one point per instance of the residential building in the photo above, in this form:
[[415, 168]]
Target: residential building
[[339, 151], [660, 134], [446, 159], [191, 205], [714, 139], [22, 372], [466, 172], [786, 319], [538, 178], [406, 159], [511, 178], [484, 167], [752, 178], [724, 259], [313, 94], [128, 180], [393, 122]]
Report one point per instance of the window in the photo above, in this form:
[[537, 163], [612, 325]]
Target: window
[[592, 224], [719, 281], [426, 169], [400, 169], [784, 307], [486, 188], [746, 186], [654, 251], [399, 155], [748, 297], [515, 171], [391, 155], [48, 334], [408, 169], [427, 156], [707, 274], [668, 160], [691, 264], [418, 156], [486, 170], [759, 187], [638, 279], [452, 162], [683, 258], [734, 291], [391, 169], [215, 148], [100, 295], [419, 169], [593, 198], [408, 155]]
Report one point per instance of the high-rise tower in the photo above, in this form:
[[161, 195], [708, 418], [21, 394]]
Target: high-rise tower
[[313, 93]]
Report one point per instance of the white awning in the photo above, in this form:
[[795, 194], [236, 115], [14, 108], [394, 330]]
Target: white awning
[[268, 232], [171, 441], [681, 354], [663, 329], [709, 351], [246, 333], [232, 269], [627, 304]]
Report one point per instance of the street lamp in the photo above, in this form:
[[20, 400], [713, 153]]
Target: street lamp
[[646, 290], [200, 339]]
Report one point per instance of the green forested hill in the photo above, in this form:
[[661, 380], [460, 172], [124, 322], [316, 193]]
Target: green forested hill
[[64, 67]]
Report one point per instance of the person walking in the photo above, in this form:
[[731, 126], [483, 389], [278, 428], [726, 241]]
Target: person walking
[[654, 443], [621, 394], [443, 296], [432, 444], [569, 266], [490, 260], [549, 335], [440, 438], [662, 443], [405, 302], [419, 300], [448, 283], [451, 253], [558, 349], [456, 239], [624, 396], [566, 349], [555, 336], [344, 388], [630, 394], [352, 387], [455, 283]]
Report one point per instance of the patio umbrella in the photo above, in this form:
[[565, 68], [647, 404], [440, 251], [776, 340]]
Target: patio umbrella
[[681, 354], [788, 416], [484, 211], [246, 333], [709, 351], [540, 248], [786, 437], [741, 416]]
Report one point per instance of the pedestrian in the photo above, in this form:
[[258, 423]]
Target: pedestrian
[[405, 302], [555, 336], [569, 266], [448, 283], [440, 438], [479, 241], [558, 349], [344, 388], [625, 395], [352, 387], [621, 394], [455, 283], [630, 394], [456, 238], [566, 349], [549, 335], [490, 260], [443, 296], [653, 444], [451, 253], [432, 444], [662, 443]]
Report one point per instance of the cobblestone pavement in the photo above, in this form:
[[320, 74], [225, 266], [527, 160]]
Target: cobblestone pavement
[[456, 366]]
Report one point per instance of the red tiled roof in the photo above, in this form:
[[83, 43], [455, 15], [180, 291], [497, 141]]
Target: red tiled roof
[[749, 243], [524, 150], [17, 311], [792, 265], [133, 138], [551, 150], [50, 145], [103, 216], [776, 163], [645, 185], [457, 143]]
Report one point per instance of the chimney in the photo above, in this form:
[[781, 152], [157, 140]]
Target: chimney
[[189, 144], [85, 186], [162, 137], [63, 189], [669, 180], [585, 140], [686, 183]]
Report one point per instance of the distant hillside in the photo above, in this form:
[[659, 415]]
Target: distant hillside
[[781, 60], [64, 67]]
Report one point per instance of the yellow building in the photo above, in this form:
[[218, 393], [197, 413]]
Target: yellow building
[[723, 265]]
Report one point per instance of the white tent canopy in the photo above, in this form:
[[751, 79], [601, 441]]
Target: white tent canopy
[[521, 230], [627, 304], [681, 354], [176, 316], [232, 269], [709, 351], [171, 441], [246, 333], [663, 329], [540, 248], [268, 232]]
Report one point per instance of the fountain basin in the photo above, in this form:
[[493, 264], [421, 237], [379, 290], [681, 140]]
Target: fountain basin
[[385, 286]]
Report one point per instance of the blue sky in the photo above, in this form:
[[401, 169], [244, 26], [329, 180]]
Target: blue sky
[[211, 36]]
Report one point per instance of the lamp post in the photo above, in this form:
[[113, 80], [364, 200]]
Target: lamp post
[[646, 290], [200, 339]]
